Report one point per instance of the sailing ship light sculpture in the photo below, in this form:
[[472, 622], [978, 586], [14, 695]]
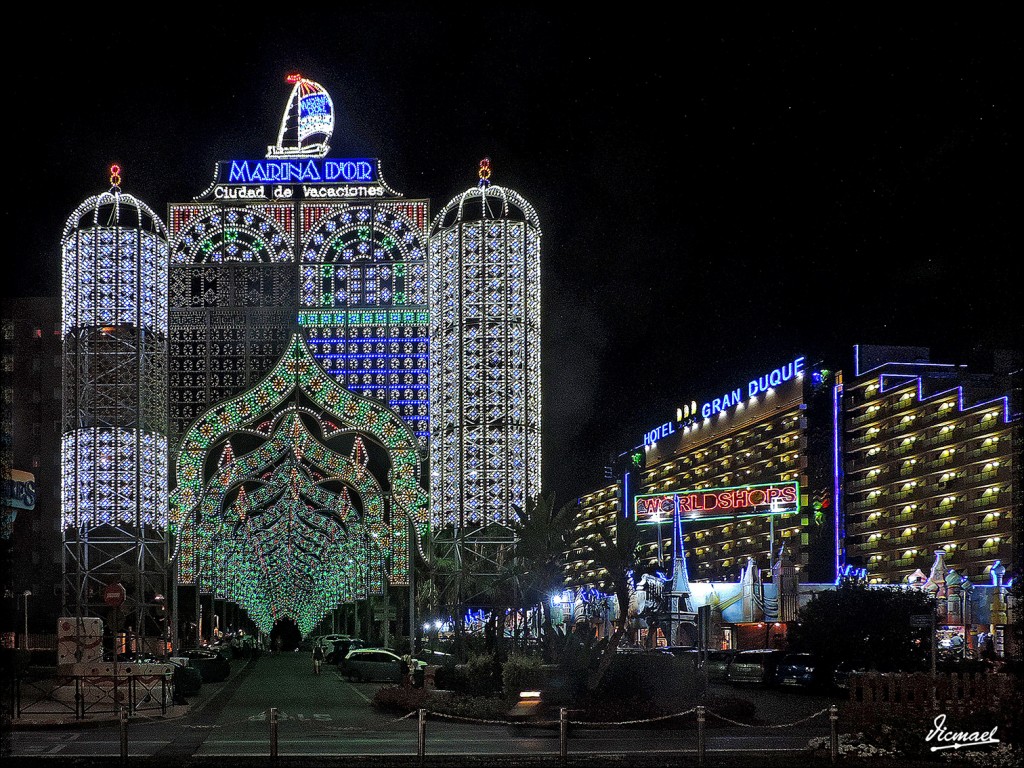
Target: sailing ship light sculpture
[[307, 123]]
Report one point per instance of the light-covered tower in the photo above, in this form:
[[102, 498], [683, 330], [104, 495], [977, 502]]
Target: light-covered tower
[[485, 448], [114, 433]]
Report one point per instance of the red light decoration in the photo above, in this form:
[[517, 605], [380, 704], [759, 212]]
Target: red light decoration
[[293, 78], [115, 175]]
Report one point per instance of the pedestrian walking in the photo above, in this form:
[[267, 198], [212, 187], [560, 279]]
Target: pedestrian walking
[[318, 658], [277, 645]]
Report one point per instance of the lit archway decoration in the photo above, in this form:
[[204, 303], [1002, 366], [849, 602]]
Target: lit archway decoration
[[296, 496]]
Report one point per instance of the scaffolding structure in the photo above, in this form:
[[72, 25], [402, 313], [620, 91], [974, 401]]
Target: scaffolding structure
[[114, 416]]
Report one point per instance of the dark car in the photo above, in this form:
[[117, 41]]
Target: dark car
[[718, 664], [756, 666], [213, 667], [186, 680], [434, 658], [802, 670], [340, 648]]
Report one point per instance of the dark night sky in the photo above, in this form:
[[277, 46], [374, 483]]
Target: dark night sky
[[717, 195]]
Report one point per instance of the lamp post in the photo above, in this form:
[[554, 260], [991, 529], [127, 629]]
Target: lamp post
[[26, 594]]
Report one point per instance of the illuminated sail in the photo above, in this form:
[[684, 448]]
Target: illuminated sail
[[307, 123]]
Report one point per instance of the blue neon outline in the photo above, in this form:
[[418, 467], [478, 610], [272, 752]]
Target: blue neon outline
[[837, 471]]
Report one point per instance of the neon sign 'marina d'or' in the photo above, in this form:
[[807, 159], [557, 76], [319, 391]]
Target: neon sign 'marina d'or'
[[304, 171]]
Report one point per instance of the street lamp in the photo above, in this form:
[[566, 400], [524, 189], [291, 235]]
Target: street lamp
[[26, 594]]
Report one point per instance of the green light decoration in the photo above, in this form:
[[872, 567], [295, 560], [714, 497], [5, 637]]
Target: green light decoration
[[302, 520]]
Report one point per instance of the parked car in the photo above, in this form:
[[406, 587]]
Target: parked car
[[186, 680], [340, 648], [755, 666], [434, 658], [718, 664], [377, 664], [841, 674], [802, 670], [327, 641], [213, 667]]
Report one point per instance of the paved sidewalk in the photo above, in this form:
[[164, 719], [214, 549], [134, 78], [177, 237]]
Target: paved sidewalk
[[42, 721]]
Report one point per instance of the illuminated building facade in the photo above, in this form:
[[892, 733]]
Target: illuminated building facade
[[932, 464], [114, 443], [485, 358], [280, 262], [596, 510], [749, 471], [350, 276]]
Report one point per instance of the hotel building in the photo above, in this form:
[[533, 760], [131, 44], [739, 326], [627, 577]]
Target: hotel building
[[776, 431], [932, 456]]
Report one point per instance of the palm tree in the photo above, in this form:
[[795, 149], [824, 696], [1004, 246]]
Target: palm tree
[[618, 553], [543, 535]]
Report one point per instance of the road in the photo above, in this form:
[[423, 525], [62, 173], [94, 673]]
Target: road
[[328, 716]]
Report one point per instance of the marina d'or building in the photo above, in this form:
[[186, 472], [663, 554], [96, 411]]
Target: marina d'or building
[[244, 427]]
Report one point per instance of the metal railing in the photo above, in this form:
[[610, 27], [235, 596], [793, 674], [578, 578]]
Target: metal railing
[[84, 695]]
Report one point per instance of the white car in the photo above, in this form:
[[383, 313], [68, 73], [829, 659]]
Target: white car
[[376, 664], [327, 641]]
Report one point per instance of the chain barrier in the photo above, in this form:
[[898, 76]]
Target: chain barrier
[[263, 717], [634, 722], [774, 725], [614, 724], [486, 722]]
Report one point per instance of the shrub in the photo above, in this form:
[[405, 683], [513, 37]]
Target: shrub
[[401, 700], [477, 707], [483, 674], [667, 682], [451, 677], [522, 673]]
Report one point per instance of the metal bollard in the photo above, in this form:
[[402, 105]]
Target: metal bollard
[[421, 736], [700, 736], [833, 717], [273, 733], [122, 720], [563, 734]]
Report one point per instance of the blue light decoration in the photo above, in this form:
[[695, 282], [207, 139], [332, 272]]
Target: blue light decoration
[[114, 324], [688, 415], [849, 573], [363, 293], [837, 477], [307, 171], [308, 121]]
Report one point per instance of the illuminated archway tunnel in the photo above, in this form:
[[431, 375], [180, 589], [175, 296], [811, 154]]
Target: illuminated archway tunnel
[[296, 496]]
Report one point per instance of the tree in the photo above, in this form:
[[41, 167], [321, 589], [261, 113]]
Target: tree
[[543, 535], [856, 621], [618, 553]]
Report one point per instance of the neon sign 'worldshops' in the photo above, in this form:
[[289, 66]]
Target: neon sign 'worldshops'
[[304, 171], [740, 501]]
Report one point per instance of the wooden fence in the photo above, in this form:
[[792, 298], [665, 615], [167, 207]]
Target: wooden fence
[[905, 693]]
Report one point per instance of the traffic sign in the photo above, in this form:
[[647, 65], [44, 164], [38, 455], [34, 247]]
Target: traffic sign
[[114, 594], [921, 619]]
